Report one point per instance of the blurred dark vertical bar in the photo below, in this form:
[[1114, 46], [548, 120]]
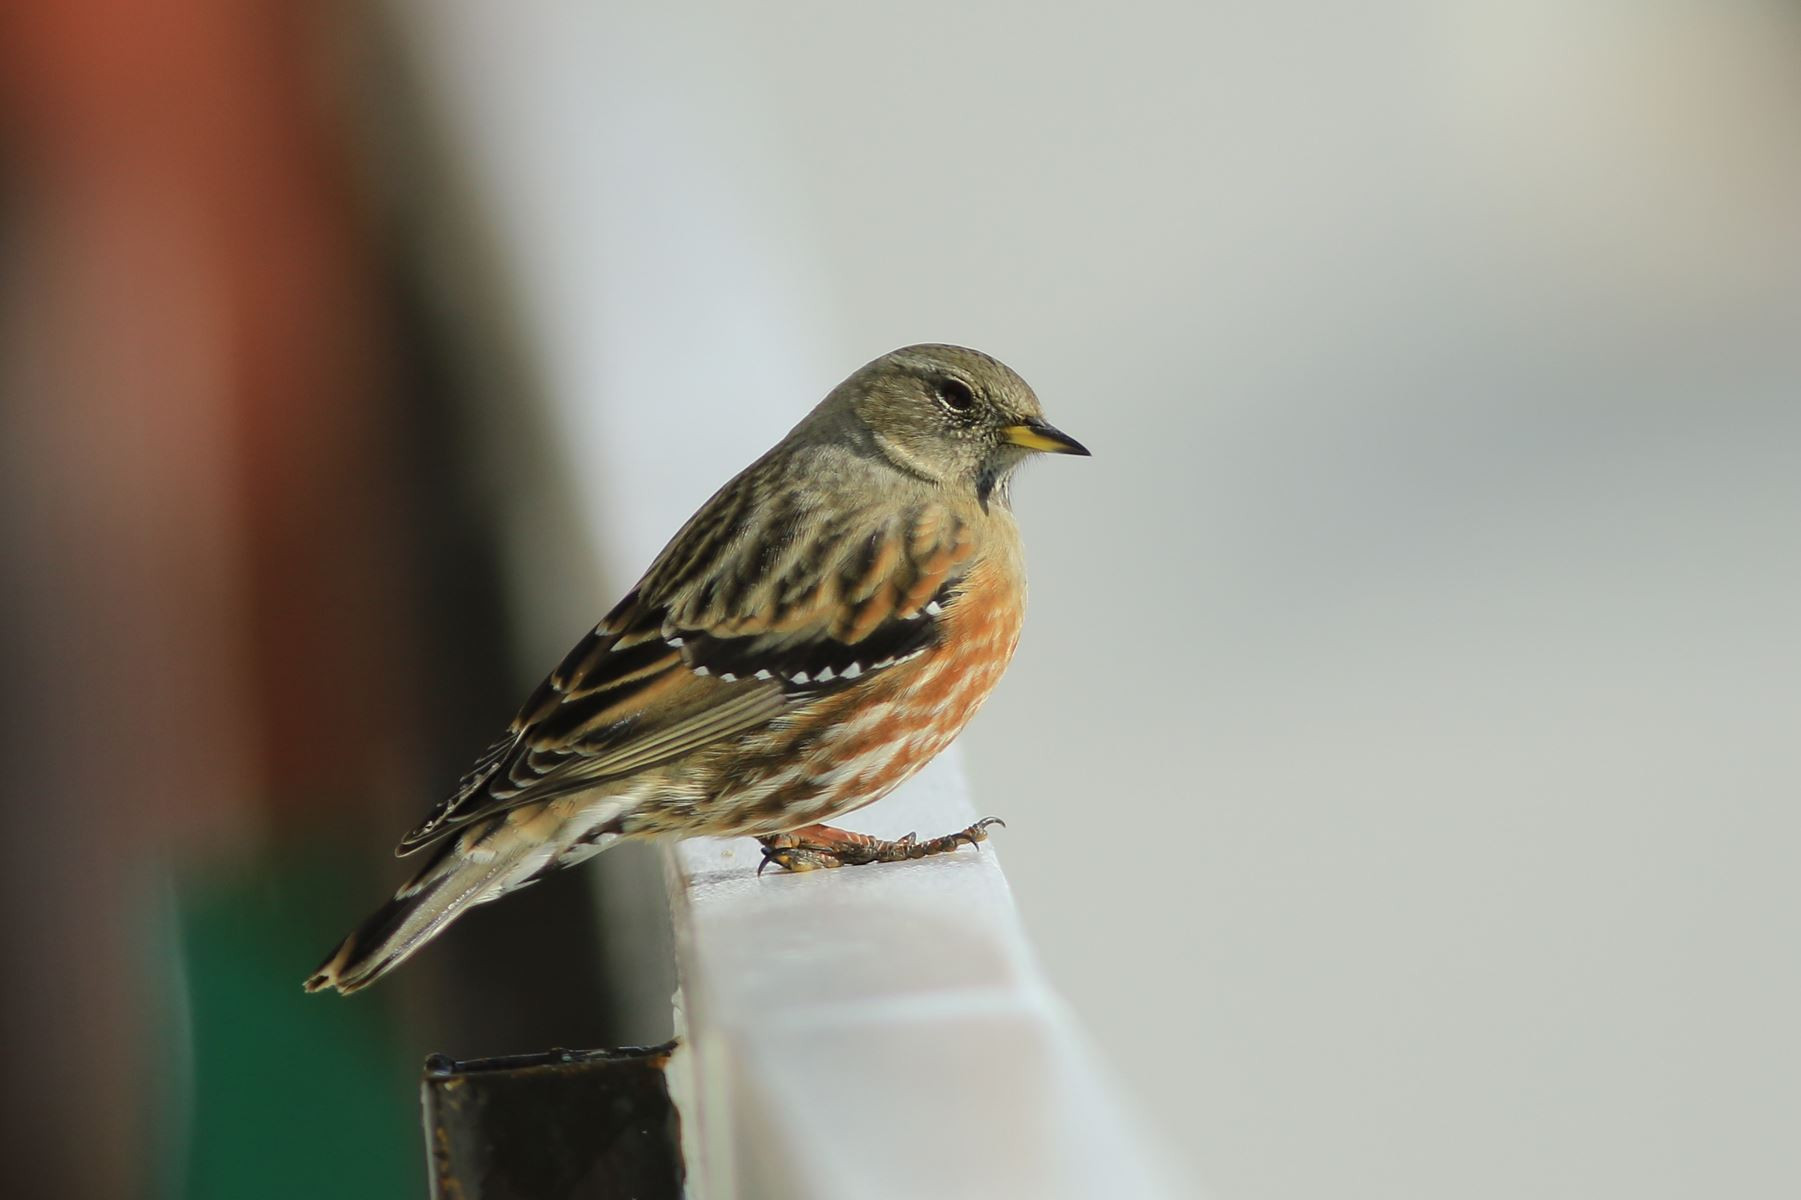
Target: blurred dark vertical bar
[[528, 973], [533, 971]]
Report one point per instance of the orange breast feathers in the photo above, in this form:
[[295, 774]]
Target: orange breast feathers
[[981, 631], [883, 735], [934, 696]]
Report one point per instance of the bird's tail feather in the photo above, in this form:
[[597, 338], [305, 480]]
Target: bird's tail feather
[[478, 864]]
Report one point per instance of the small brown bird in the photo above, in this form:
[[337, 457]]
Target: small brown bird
[[815, 634]]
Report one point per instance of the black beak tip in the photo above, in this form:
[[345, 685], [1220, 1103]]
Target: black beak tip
[[1064, 444], [1068, 445]]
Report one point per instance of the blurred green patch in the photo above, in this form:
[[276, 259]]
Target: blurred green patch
[[293, 1095]]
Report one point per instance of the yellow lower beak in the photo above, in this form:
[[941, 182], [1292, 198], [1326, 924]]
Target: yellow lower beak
[[1036, 435]]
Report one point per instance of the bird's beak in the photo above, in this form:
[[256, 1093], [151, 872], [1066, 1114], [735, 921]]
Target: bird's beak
[[1037, 435]]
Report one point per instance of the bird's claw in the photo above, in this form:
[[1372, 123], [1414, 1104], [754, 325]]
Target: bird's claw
[[799, 853], [795, 858]]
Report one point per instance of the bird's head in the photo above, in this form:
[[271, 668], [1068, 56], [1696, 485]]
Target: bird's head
[[951, 415]]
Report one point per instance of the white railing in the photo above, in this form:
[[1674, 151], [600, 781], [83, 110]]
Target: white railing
[[883, 1031]]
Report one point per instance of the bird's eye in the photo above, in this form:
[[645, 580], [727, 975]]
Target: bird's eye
[[956, 395]]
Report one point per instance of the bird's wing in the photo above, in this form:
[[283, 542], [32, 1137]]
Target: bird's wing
[[756, 608]]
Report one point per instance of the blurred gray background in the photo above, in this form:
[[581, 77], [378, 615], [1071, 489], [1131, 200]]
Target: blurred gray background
[[1401, 760]]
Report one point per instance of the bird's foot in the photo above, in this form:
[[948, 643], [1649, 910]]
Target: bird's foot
[[814, 846]]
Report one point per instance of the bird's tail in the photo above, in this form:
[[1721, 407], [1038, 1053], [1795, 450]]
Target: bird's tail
[[474, 866]]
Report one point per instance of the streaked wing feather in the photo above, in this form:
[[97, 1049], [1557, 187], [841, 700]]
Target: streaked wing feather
[[740, 620]]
